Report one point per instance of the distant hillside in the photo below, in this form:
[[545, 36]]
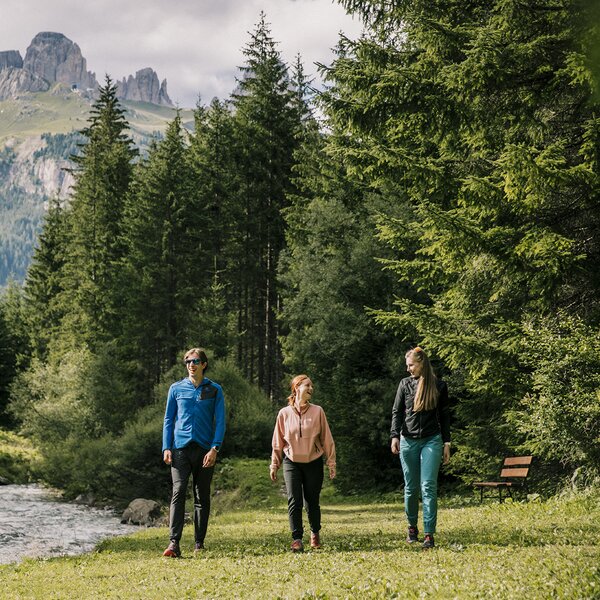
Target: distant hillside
[[38, 134]]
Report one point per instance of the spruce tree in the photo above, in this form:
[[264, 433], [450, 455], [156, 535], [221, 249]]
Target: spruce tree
[[15, 345], [7, 365], [165, 263], [78, 270], [483, 114], [331, 275], [265, 124], [214, 164], [44, 279], [102, 176]]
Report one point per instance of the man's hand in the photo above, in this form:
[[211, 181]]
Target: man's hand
[[395, 447], [331, 472], [167, 456], [273, 474], [210, 458]]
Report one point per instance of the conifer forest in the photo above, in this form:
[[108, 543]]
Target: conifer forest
[[442, 190]]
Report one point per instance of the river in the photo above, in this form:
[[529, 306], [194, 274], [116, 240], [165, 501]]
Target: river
[[33, 523]]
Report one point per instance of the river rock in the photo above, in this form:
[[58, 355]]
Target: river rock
[[141, 512], [87, 499]]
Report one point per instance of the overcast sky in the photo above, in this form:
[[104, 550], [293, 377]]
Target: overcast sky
[[195, 44]]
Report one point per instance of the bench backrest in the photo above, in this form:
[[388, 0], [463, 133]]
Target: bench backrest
[[516, 467]]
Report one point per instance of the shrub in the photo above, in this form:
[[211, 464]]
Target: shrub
[[129, 465], [18, 458], [250, 414]]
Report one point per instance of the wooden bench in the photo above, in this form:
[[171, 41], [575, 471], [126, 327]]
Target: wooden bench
[[515, 470]]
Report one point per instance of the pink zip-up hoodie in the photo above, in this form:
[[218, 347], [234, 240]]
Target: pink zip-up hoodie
[[302, 437]]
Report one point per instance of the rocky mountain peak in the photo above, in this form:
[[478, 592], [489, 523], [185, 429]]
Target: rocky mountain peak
[[55, 58]]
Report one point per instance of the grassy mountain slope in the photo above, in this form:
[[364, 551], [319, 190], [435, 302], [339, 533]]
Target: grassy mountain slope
[[61, 111]]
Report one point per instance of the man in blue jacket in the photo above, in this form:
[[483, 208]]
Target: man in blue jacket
[[193, 432]]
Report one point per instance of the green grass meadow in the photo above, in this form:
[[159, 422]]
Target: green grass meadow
[[546, 549]]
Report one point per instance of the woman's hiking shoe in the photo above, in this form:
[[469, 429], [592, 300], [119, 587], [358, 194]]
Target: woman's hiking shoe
[[315, 541], [428, 542], [172, 550], [199, 547], [413, 535], [297, 546]]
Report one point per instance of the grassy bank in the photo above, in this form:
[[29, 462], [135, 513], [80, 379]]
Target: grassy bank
[[537, 550]]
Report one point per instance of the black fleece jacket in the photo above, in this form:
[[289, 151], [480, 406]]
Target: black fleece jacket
[[424, 423]]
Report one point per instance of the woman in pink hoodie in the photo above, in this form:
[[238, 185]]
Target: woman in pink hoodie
[[300, 441]]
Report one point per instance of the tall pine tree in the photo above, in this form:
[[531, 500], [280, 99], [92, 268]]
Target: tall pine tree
[[214, 160], [266, 124], [330, 275], [43, 285], [164, 266], [91, 294]]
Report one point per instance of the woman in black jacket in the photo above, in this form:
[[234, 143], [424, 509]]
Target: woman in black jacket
[[420, 433]]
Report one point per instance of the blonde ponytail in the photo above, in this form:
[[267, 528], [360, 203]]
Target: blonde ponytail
[[427, 394]]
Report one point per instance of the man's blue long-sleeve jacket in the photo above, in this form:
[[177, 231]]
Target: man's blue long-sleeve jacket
[[194, 414]]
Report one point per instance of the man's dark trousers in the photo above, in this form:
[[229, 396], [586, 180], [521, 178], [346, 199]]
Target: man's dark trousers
[[185, 462]]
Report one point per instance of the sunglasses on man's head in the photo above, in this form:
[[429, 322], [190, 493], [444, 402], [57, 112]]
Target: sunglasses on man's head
[[193, 361]]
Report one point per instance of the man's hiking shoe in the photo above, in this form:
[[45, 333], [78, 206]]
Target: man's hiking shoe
[[199, 547], [413, 535], [172, 550], [297, 546], [428, 542], [315, 541]]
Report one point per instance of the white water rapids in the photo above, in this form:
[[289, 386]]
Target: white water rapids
[[33, 523]]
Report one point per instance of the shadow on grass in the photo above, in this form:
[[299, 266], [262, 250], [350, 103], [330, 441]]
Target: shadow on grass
[[254, 545]]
